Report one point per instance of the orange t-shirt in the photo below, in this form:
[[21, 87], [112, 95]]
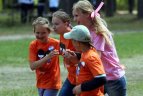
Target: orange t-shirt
[[69, 65], [48, 75], [90, 66]]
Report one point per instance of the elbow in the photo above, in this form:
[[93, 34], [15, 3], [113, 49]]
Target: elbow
[[104, 80], [32, 68]]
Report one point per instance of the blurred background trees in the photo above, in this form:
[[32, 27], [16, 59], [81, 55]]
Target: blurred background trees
[[111, 7]]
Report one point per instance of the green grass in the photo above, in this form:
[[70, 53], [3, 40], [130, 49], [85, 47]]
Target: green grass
[[16, 78], [124, 23], [25, 91], [134, 75], [14, 52], [129, 44]]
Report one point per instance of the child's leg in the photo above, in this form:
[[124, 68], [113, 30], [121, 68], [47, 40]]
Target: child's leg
[[50, 92], [67, 89], [116, 87], [41, 91], [47, 92]]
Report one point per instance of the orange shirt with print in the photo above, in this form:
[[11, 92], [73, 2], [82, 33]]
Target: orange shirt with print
[[48, 75], [69, 65], [91, 66]]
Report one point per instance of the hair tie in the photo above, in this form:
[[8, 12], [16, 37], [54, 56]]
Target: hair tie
[[95, 13]]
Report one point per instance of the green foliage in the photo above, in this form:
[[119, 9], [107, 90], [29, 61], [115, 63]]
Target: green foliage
[[122, 4]]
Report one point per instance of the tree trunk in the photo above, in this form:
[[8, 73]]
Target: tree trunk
[[131, 6], [110, 7], [140, 9], [67, 5]]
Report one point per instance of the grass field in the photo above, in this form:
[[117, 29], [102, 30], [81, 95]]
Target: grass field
[[16, 78]]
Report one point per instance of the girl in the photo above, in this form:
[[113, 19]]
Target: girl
[[61, 25], [42, 59], [90, 72], [102, 40]]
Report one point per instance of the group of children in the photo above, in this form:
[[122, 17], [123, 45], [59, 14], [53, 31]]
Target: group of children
[[88, 54]]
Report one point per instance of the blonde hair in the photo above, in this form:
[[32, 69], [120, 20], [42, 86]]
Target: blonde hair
[[99, 24], [41, 21], [62, 16]]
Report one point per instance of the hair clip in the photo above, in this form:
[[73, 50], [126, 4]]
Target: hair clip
[[95, 13]]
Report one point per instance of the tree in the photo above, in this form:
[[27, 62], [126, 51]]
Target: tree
[[140, 8], [131, 5], [110, 7], [67, 5]]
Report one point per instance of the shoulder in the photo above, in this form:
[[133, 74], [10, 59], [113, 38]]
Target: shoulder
[[53, 40], [92, 55], [33, 45], [34, 42]]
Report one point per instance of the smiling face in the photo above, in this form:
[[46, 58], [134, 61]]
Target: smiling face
[[59, 26], [41, 33], [80, 18]]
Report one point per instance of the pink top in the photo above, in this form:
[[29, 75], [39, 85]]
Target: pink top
[[109, 56]]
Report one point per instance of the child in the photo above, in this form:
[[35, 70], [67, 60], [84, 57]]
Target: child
[[44, 60], [61, 25], [90, 72], [102, 40]]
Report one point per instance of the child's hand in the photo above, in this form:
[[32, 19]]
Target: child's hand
[[53, 53], [123, 66], [77, 90], [71, 56]]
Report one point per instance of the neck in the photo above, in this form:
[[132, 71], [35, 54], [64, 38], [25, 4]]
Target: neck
[[89, 24], [85, 48], [44, 40]]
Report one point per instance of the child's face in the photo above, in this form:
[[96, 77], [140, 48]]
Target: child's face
[[80, 18], [58, 25], [41, 33], [76, 45]]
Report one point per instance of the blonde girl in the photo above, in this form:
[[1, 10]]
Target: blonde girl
[[43, 59], [61, 25], [101, 37]]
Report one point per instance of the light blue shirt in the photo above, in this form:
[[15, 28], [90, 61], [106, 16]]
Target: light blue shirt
[[53, 3], [26, 1]]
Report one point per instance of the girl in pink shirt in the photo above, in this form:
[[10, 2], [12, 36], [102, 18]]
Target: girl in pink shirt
[[102, 40]]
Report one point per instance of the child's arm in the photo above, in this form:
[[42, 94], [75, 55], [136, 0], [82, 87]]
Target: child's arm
[[72, 56], [90, 85], [36, 64], [95, 83]]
